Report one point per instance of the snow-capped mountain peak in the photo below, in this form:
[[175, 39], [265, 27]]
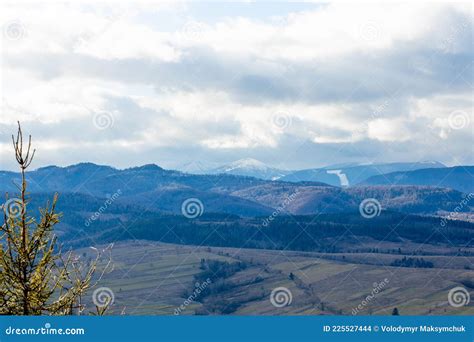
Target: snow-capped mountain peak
[[249, 167], [247, 163]]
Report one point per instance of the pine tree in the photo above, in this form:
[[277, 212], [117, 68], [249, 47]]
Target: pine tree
[[36, 278]]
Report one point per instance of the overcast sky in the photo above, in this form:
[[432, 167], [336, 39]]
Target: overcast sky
[[293, 85]]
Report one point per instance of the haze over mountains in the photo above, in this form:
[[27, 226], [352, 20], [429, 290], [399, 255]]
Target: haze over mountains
[[355, 174], [337, 175], [422, 191], [248, 167], [348, 174], [458, 177]]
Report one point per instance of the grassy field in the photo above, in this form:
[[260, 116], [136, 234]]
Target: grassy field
[[155, 279]]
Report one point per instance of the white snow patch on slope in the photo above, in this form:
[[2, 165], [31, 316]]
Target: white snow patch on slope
[[342, 176]]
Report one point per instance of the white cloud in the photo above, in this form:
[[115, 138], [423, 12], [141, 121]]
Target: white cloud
[[389, 130], [341, 73]]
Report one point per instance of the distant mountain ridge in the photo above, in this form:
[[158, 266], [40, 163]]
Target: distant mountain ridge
[[248, 167], [343, 174], [354, 174], [460, 178], [151, 187]]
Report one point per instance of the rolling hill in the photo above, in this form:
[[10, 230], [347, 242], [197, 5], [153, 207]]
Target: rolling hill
[[307, 199], [153, 188]]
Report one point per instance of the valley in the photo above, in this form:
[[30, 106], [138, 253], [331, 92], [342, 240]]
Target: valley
[[156, 278]]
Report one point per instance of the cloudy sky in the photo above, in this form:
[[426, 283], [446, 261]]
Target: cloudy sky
[[294, 85]]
